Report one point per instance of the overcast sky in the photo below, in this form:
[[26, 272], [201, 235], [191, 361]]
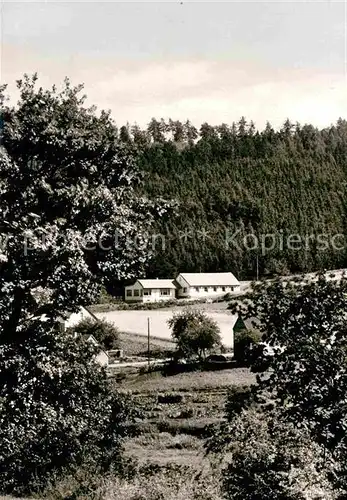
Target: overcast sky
[[201, 61]]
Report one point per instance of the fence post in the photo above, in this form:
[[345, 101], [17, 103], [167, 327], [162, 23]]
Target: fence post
[[148, 340]]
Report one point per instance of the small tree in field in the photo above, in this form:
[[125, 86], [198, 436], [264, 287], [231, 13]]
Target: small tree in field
[[195, 333]]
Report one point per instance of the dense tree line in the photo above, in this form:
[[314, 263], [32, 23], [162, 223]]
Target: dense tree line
[[232, 182]]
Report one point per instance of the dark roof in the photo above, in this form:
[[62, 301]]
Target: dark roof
[[90, 312], [66, 314]]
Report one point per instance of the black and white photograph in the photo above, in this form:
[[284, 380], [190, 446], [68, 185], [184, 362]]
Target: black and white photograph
[[173, 250]]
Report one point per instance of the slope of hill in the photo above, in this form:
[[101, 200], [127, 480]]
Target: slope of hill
[[276, 197]]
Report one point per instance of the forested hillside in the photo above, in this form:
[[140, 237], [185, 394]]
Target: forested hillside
[[233, 181]]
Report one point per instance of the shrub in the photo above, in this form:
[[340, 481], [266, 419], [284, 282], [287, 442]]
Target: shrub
[[228, 296], [170, 398], [104, 332], [238, 398], [106, 298], [218, 434], [116, 305], [274, 460], [244, 342], [57, 410], [151, 482], [102, 308]]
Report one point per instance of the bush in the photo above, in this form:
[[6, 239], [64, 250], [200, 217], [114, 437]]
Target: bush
[[170, 398], [106, 298], [116, 305], [244, 342], [238, 398], [151, 482], [274, 460], [57, 410], [175, 366], [228, 296], [104, 332]]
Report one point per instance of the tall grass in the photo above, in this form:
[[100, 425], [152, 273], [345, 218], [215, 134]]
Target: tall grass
[[163, 484]]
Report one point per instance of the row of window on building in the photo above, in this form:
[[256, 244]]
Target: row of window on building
[[208, 289], [146, 292], [167, 292]]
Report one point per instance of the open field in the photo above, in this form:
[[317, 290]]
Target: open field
[[136, 345], [176, 411], [192, 381], [136, 321]]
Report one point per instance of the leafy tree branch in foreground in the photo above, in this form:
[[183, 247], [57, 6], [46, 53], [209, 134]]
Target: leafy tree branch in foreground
[[70, 222], [302, 365]]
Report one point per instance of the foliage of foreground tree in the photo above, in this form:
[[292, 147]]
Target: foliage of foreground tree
[[69, 222], [57, 410], [69, 218], [302, 363], [268, 459], [195, 333]]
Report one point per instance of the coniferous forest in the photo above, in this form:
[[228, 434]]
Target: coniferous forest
[[234, 185]]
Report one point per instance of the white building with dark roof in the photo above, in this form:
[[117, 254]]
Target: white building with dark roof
[[67, 321], [72, 319], [200, 285], [155, 290]]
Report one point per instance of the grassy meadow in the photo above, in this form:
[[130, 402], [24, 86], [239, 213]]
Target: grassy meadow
[[167, 447], [176, 410]]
